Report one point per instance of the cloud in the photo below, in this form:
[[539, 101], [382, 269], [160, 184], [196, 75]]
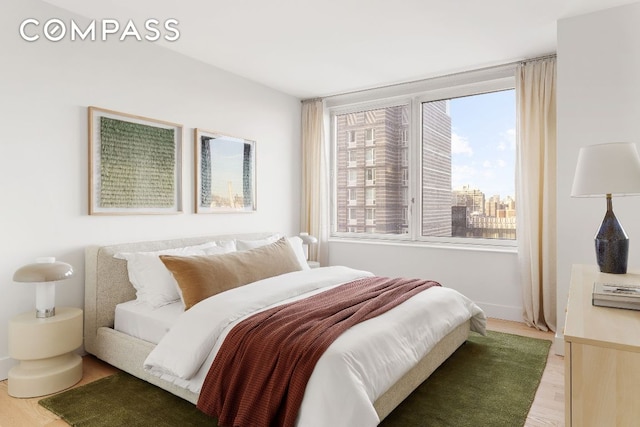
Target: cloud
[[460, 145], [488, 174], [501, 163], [487, 164], [507, 140], [462, 175]]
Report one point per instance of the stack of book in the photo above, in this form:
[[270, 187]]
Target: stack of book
[[616, 295]]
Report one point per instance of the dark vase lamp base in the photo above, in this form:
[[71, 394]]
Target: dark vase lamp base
[[612, 255], [612, 244]]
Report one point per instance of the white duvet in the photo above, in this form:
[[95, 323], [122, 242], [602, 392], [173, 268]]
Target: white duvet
[[354, 371]]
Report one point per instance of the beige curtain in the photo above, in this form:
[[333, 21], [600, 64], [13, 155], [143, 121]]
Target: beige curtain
[[314, 214], [536, 191]]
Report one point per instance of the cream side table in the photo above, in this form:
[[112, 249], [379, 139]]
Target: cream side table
[[45, 348], [602, 355]]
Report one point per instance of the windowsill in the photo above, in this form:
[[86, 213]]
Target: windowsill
[[427, 244]]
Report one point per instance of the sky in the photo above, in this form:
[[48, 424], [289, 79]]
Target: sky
[[483, 142], [227, 157]]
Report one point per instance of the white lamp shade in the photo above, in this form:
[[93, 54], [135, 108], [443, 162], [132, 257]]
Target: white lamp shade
[[308, 239], [43, 271], [612, 168]]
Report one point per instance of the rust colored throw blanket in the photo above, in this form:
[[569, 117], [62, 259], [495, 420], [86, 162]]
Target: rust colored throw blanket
[[260, 373]]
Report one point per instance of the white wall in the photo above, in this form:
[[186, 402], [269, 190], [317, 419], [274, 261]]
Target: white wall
[[490, 278], [45, 88], [598, 101]]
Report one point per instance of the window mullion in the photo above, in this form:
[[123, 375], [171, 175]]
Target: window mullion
[[415, 175]]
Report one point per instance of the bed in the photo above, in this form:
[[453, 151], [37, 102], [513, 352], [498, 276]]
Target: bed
[[108, 284]]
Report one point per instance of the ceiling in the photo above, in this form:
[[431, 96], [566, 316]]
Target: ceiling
[[317, 48]]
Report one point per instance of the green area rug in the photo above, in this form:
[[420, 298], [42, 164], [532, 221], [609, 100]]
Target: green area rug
[[489, 381]]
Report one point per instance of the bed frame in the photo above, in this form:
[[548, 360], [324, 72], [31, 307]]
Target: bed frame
[[107, 284]]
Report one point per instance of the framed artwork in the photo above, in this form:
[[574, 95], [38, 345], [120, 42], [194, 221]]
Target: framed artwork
[[135, 164], [225, 173]]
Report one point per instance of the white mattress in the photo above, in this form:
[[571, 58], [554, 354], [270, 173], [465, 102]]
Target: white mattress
[[140, 320]]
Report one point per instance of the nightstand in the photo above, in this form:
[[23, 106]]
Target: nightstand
[[601, 356], [44, 347]]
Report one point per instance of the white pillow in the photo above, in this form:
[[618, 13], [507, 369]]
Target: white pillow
[[245, 245], [154, 284], [228, 245], [294, 242]]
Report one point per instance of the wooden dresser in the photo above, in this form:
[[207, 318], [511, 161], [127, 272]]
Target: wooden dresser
[[602, 355]]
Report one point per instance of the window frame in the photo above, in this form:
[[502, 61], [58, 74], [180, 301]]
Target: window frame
[[370, 170], [369, 201], [352, 183], [370, 156], [352, 163], [414, 94], [351, 142], [352, 201]]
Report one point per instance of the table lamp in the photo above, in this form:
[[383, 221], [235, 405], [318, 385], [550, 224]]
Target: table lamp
[[607, 170], [44, 272], [307, 240]]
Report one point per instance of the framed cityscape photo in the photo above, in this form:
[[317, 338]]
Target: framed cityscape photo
[[225, 173], [135, 164]]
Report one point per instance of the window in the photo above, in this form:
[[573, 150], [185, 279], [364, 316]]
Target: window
[[353, 177], [352, 216], [370, 156], [370, 176], [351, 138], [370, 196], [352, 155], [370, 216], [468, 172], [352, 196], [454, 182], [381, 186], [370, 136]]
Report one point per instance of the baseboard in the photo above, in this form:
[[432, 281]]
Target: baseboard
[[6, 363], [504, 312], [558, 344]]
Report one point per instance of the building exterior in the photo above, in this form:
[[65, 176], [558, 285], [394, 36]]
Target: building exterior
[[472, 198], [436, 169], [473, 217], [372, 171]]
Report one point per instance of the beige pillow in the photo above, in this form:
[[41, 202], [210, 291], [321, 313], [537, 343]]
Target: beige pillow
[[202, 276]]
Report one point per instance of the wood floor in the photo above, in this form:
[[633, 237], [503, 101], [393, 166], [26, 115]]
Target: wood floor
[[547, 408]]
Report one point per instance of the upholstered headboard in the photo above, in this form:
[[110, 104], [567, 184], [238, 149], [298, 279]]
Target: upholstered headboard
[[107, 281]]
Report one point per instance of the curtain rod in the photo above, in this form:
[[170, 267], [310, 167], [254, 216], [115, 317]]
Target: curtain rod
[[521, 62], [539, 58]]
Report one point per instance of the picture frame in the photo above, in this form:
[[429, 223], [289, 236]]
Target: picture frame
[[135, 164], [225, 173]]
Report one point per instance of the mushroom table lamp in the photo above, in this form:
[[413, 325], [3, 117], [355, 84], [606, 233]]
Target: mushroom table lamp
[[307, 241], [45, 272]]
